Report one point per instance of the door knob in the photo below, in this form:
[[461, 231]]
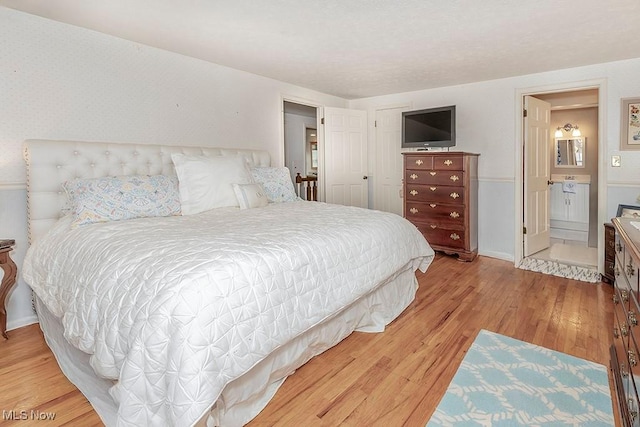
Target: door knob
[[549, 182], [365, 177]]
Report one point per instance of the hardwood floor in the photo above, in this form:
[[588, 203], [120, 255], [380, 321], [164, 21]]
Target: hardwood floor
[[390, 379]]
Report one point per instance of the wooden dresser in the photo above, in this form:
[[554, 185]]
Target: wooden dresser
[[626, 334], [441, 198], [609, 253]]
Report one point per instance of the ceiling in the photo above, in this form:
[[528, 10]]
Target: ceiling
[[362, 48]]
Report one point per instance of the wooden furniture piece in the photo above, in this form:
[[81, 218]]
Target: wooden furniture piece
[[441, 198], [307, 185], [8, 281], [609, 253], [626, 335]]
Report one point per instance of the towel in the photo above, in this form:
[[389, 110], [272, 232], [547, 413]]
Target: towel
[[568, 186]]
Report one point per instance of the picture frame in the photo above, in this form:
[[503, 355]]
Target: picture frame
[[628, 211], [630, 124]]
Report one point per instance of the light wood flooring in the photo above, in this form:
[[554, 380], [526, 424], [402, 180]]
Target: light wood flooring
[[393, 378]]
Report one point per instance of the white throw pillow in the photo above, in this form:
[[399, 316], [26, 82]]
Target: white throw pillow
[[206, 182], [250, 196]]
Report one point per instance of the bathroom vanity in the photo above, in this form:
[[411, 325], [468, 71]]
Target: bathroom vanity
[[569, 202]]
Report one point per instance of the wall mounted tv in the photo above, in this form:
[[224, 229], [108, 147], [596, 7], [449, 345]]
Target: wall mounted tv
[[433, 127]]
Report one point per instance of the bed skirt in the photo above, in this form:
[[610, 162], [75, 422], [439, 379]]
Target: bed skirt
[[244, 398]]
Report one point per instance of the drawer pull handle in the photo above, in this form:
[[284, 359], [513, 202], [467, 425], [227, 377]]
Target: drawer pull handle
[[419, 162], [616, 334], [433, 226], [448, 162], [413, 211], [454, 214], [433, 173], [433, 188], [632, 358], [454, 195], [454, 236], [617, 272], [454, 178], [630, 269], [433, 205], [623, 370], [633, 320], [618, 247], [413, 176], [625, 295], [413, 192], [633, 411], [624, 331], [615, 299]]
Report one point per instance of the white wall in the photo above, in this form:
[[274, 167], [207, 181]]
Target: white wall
[[58, 81], [487, 113]]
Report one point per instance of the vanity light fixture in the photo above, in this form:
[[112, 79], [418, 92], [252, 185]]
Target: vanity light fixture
[[567, 128]]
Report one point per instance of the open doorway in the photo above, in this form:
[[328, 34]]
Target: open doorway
[[301, 142], [570, 203]]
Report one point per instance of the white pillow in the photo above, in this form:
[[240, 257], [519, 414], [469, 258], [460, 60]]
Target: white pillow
[[250, 196], [206, 182]]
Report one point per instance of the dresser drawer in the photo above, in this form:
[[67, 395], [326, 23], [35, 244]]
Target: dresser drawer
[[454, 162], [434, 193], [621, 343], [610, 234], [438, 236], [609, 267], [419, 162], [434, 177], [444, 215], [630, 270]]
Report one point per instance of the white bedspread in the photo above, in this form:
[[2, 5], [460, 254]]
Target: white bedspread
[[175, 308]]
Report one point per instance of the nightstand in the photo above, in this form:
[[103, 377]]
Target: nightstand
[[8, 280]]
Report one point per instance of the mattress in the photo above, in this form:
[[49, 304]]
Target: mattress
[[174, 311]]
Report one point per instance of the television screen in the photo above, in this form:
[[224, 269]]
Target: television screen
[[433, 127]]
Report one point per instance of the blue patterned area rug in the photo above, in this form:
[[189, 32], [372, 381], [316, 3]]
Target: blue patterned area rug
[[506, 382]]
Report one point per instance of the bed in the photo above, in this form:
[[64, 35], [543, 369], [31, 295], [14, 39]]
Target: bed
[[197, 317]]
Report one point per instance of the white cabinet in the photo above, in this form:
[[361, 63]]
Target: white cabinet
[[569, 211]]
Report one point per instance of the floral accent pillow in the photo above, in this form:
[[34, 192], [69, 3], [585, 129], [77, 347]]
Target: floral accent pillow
[[122, 197], [277, 183]]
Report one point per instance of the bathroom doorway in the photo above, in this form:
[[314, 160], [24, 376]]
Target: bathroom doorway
[[572, 200]]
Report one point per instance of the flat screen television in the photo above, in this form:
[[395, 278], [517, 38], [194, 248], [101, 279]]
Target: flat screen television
[[433, 127]]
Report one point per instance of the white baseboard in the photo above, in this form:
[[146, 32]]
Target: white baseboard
[[498, 255], [24, 321]]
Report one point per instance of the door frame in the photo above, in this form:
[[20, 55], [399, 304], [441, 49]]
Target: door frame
[[319, 128], [601, 85]]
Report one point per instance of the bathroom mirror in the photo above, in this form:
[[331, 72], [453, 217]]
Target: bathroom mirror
[[570, 152]]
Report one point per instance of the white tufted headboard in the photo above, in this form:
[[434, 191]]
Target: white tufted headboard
[[51, 163]]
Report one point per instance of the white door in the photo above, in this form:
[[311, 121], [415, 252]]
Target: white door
[[537, 164], [387, 177], [345, 157]]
